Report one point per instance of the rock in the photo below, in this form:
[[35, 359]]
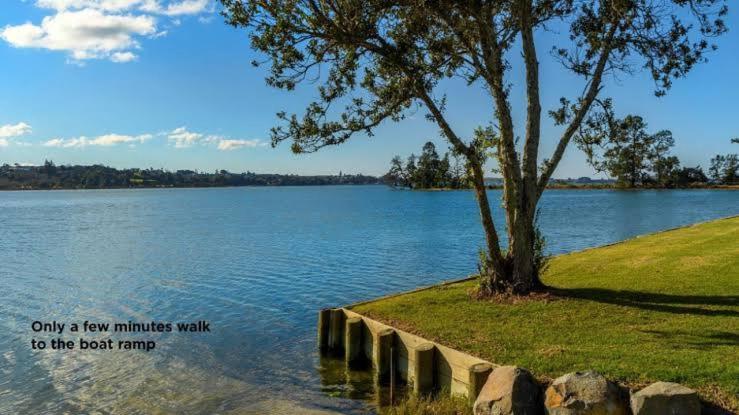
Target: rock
[[584, 393], [509, 390], [665, 398]]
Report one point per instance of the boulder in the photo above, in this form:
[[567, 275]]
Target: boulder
[[585, 393], [509, 390], [665, 398]]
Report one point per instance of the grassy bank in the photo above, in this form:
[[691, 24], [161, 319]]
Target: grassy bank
[[659, 307]]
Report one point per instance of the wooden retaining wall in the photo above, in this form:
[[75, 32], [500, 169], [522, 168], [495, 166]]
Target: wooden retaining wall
[[399, 356]]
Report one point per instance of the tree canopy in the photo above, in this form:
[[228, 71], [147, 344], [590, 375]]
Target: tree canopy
[[374, 61], [626, 151], [431, 172]]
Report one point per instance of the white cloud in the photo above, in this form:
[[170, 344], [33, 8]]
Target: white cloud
[[99, 29], [183, 138], [84, 34], [176, 8], [106, 140], [227, 145], [179, 138], [14, 130], [107, 5], [9, 131], [60, 142], [169, 8], [121, 57]]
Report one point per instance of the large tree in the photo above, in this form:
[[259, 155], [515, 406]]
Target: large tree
[[625, 150], [428, 167], [375, 60], [396, 176]]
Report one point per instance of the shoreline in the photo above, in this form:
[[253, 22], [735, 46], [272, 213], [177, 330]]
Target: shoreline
[[557, 187], [635, 296], [40, 189], [473, 277]]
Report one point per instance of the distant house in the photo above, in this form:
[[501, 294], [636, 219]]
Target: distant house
[[20, 167]]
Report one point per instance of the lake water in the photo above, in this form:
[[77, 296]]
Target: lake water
[[257, 263]]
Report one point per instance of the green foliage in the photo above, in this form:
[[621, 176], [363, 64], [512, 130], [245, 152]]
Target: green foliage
[[488, 279], [49, 168], [428, 171], [666, 171], [691, 175], [398, 52], [50, 176], [657, 307], [623, 149], [724, 169], [396, 175]]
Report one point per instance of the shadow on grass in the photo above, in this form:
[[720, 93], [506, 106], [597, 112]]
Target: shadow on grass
[[698, 340], [704, 305]]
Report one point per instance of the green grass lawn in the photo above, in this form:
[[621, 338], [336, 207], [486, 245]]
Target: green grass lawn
[[659, 307]]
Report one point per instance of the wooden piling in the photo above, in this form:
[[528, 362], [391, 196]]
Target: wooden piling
[[336, 330], [423, 368], [353, 353], [324, 318], [479, 373], [382, 350]]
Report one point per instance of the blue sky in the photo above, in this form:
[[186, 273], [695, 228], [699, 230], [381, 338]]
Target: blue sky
[[165, 83]]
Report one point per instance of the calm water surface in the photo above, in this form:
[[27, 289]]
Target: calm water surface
[[257, 263]]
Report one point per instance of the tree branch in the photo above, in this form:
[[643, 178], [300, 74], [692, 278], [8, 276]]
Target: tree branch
[[508, 159], [585, 103], [533, 110]]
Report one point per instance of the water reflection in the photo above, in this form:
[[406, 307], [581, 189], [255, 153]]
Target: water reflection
[[360, 382]]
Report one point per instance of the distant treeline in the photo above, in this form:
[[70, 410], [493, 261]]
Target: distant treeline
[[620, 148], [634, 157], [51, 176], [428, 171]]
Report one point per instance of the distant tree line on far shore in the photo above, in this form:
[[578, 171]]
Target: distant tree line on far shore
[[428, 171], [51, 176], [724, 168], [621, 148]]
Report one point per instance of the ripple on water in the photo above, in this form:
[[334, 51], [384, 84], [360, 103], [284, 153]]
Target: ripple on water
[[257, 263]]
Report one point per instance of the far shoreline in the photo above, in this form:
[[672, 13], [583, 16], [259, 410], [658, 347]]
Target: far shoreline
[[435, 189], [587, 187]]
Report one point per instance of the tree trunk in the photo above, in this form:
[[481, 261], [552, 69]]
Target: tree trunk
[[524, 276], [497, 264], [516, 272]]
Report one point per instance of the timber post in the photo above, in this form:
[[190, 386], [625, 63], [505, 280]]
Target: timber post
[[353, 353], [424, 368], [324, 317], [479, 373]]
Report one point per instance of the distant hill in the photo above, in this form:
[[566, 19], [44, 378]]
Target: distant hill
[[50, 176]]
